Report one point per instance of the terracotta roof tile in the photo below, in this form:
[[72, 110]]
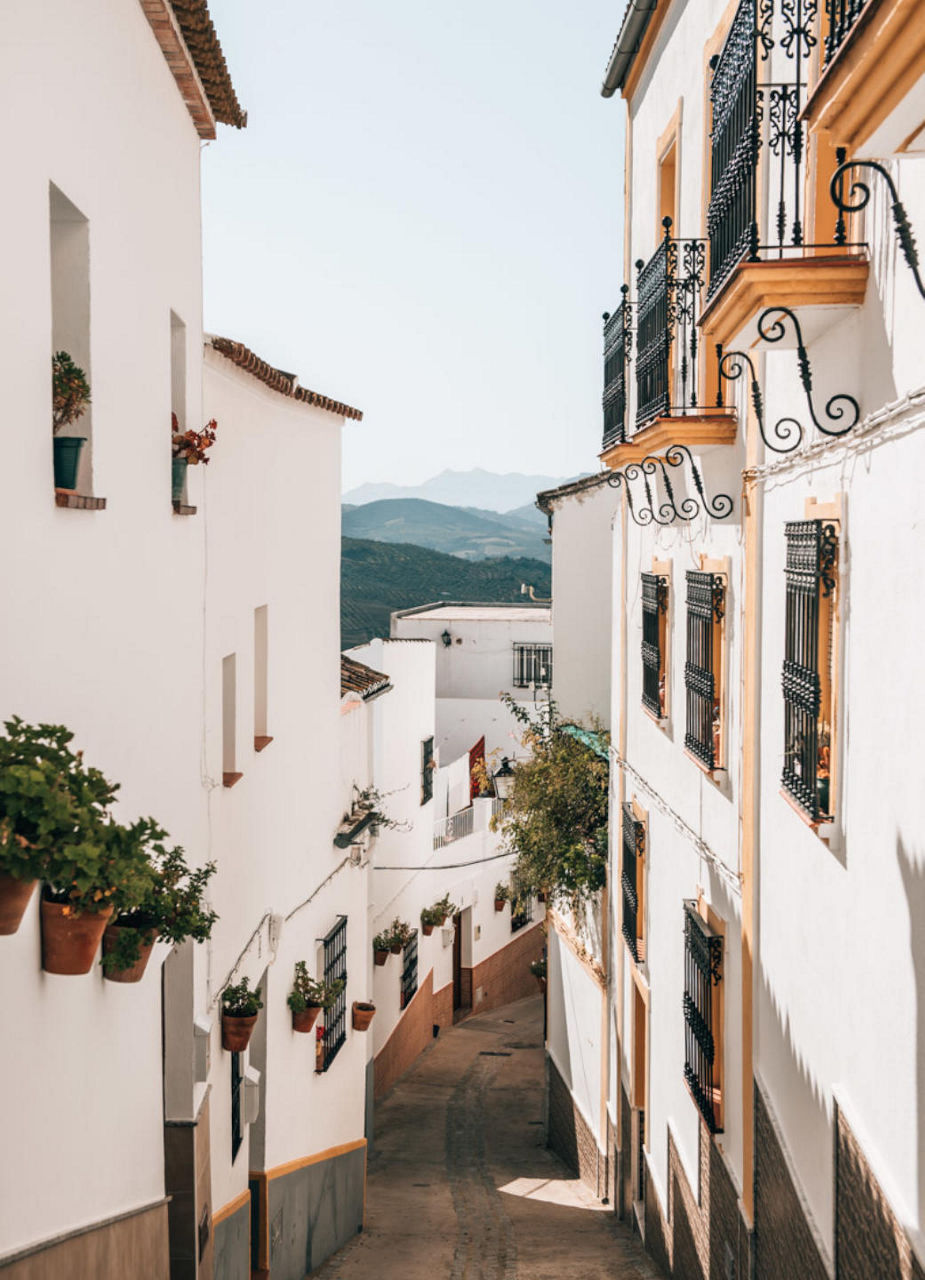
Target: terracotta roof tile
[[357, 677], [287, 384], [202, 42]]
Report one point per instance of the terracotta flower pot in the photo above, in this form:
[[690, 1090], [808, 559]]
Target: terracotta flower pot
[[14, 898], [135, 972], [363, 1015], [380, 957], [305, 1019], [499, 904], [426, 929], [396, 948], [237, 1032], [70, 940]]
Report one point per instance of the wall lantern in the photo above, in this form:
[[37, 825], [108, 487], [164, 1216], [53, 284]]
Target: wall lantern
[[504, 779], [447, 639]]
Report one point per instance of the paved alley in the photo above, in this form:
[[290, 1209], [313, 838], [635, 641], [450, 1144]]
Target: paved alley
[[460, 1183]]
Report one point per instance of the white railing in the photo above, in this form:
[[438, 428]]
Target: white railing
[[454, 827]]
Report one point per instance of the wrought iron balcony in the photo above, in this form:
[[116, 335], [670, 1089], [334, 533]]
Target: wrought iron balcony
[[841, 16], [617, 348], [669, 290], [758, 139]]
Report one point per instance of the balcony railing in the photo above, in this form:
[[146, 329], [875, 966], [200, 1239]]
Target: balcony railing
[[617, 347], [758, 140], [669, 288], [841, 15], [455, 827]]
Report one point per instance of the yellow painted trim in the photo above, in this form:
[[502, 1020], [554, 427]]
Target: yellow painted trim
[[232, 1207], [330, 1153], [568, 937], [879, 64], [694, 430], [819, 281]]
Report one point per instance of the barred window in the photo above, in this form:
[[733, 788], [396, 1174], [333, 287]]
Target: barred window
[[654, 643], [706, 602], [237, 1119], [427, 770], [632, 879], [532, 666], [409, 970], [809, 659], [521, 907], [703, 1015], [335, 967]]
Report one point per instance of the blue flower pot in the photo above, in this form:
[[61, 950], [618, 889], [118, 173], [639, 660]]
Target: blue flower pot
[[67, 459], [177, 479]]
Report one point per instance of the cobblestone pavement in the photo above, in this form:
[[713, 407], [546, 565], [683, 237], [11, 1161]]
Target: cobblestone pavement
[[460, 1184]]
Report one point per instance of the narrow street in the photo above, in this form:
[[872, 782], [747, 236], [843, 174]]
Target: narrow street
[[460, 1183]]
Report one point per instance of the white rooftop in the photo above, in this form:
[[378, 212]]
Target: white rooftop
[[479, 613]]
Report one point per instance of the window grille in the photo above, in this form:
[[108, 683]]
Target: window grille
[[812, 552], [617, 346], [335, 967], [641, 1158], [654, 608], [521, 908], [532, 666], [237, 1123], [703, 966], [409, 970], [705, 609], [427, 770], [634, 843]]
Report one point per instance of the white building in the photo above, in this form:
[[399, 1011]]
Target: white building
[[483, 650], [762, 405]]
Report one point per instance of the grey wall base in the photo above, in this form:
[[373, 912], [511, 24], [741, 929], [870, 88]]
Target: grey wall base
[[233, 1246], [314, 1211]]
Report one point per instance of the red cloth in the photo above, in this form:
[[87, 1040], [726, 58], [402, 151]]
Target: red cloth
[[476, 754]]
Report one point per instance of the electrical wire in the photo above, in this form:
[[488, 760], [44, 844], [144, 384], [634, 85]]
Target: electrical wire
[[449, 866]]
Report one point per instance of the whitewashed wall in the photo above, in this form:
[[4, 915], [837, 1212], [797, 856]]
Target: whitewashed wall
[[92, 600]]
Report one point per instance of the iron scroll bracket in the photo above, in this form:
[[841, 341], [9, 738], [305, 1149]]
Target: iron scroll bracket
[[858, 197], [653, 467]]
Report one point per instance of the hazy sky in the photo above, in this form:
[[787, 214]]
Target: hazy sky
[[423, 218]]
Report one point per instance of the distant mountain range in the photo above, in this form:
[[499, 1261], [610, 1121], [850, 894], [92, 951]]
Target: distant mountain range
[[476, 488], [379, 577], [469, 532]]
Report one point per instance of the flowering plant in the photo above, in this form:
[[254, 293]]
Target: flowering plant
[[192, 445]]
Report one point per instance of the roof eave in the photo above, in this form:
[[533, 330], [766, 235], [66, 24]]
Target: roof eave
[[635, 24]]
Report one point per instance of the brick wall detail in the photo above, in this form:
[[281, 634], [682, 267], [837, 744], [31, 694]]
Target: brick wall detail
[[412, 1035], [568, 1134], [784, 1241], [505, 976]]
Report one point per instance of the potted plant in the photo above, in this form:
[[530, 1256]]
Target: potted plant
[[363, 1013], [188, 449], [70, 395], [502, 895], [436, 915], [445, 907], [240, 1007], [382, 944], [538, 969], [169, 908], [399, 936], [308, 997]]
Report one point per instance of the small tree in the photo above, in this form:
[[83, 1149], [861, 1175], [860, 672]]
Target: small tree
[[555, 818], [70, 391]]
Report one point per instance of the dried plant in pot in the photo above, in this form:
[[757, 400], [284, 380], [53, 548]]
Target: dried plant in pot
[[308, 997], [188, 449], [169, 908], [70, 396], [381, 947], [240, 1007]]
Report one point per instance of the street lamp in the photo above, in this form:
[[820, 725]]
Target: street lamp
[[447, 639], [504, 779]]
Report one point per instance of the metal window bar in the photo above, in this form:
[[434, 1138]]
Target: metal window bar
[[705, 603], [237, 1124], [654, 604], [703, 960], [634, 837], [841, 16], [521, 909], [617, 348], [641, 1158], [811, 554], [427, 770], [668, 293], [335, 967], [455, 827], [532, 666], [409, 970]]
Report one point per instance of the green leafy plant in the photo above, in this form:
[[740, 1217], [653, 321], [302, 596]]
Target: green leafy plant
[[238, 1001], [538, 968], [70, 391], [555, 817], [169, 906], [372, 800], [306, 992], [382, 941], [399, 933], [438, 912], [502, 892]]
